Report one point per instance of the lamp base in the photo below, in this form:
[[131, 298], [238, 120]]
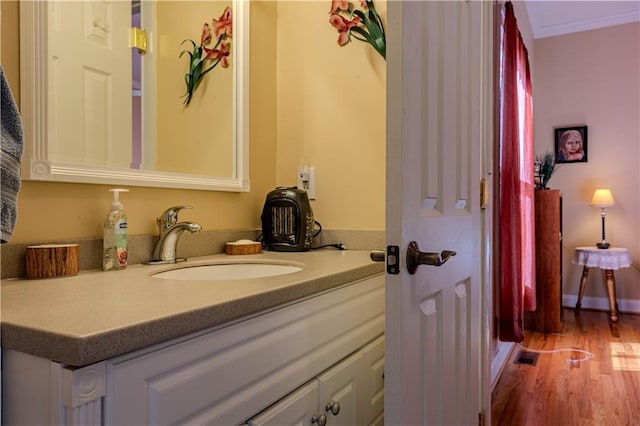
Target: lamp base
[[603, 245]]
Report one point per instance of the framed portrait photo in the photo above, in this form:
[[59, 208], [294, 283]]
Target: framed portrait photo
[[571, 144]]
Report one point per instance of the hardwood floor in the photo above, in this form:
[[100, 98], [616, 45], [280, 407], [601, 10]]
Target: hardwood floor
[[604, 390]]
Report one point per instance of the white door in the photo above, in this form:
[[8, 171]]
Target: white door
[[439, 121], [90, 81]]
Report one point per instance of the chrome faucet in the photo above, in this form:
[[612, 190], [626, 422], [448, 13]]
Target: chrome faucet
[[170, 231]]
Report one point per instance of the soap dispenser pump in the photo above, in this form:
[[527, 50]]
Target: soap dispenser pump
[[114, 243]]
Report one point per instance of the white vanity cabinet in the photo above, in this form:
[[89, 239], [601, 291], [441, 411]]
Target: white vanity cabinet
[[226, 376], [349, 393], [234, 348], [324, 347]]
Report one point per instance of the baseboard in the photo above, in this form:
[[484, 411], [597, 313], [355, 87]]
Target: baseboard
[[499, 361], [631, 306]]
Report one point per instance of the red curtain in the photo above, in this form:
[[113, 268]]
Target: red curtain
[[515, 193]]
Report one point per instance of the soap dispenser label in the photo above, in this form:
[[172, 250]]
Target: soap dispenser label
[[121, 243]]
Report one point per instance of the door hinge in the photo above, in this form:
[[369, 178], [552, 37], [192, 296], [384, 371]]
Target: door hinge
[[484, 193], [482, 418], [138, 39]]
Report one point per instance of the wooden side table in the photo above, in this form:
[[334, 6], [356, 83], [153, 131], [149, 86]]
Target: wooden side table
[[608, 260]]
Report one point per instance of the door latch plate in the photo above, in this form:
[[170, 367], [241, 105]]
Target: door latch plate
[[393, 260]]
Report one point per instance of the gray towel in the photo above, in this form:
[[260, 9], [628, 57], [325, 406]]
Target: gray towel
[[11, 147]]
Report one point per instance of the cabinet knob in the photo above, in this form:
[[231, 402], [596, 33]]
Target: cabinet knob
[[332, 407], [321, 419]]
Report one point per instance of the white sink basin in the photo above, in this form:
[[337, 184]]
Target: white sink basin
[[227, 271]]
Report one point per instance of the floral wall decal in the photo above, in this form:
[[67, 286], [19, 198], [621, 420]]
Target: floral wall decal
[[202, 58], [363, 24]]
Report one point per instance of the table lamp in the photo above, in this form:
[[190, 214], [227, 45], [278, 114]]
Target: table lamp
[[602, 198]]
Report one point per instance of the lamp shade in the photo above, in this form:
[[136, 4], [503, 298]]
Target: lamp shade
[[602, 198]]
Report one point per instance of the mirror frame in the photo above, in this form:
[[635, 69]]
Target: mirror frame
[[34, 97]]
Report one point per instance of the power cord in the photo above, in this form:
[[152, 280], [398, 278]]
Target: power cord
[[319, 229], [339, 246], [588, 355]]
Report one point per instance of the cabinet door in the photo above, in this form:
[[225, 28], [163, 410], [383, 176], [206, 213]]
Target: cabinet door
[[373, 391], [341, 386], [296, 409]]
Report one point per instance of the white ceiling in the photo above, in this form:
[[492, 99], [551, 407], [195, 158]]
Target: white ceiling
[[550, 18]]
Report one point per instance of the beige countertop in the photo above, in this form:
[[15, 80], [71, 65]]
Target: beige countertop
[[97, 315]]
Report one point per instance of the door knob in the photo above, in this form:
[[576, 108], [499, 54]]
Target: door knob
[[321, 420], [332, 407], [416, 258]]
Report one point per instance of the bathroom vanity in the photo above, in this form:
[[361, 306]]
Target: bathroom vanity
[[126, 348]]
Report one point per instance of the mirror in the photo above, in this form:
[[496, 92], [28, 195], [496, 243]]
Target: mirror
[[130, 126]]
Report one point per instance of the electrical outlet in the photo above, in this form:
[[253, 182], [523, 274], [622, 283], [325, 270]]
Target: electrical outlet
[[307, 180], [311, 185], [303, 177]]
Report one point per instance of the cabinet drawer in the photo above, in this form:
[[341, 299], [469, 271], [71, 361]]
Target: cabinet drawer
[[295, 409], [227, 375]]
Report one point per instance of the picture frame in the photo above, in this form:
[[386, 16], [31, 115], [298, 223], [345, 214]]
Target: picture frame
[[571, 144]]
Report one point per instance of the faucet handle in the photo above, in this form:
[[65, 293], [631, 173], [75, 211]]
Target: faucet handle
[[169, 217]]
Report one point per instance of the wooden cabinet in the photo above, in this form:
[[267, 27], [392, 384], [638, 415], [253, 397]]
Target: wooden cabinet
[[547, 318], [349, 393]]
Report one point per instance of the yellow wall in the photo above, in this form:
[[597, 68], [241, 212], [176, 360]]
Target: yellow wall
[[331, 115], [205, 125], [330, 110]]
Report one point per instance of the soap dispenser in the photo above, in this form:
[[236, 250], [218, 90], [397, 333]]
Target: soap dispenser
[[114, 243]]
